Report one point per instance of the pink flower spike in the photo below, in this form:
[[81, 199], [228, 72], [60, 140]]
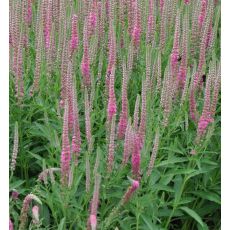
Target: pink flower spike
[[124, 112], [135, 185], [35, 212], [112, 107], [11, 226], [14, 195], [136, 156], [74, 34], [93, 222], [29, 12], [202, 15], [65, 154]]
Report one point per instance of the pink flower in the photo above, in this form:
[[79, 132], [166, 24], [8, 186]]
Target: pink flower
[[29, 12], [127, 144], [25, 209], [92, 19], [111, 146], [193, 152], [142, 127], [76, 139], [112, 107], [74, 35], [124, 112], [175, 50], [182, 76], [11, 226], [161, 5], [192, 105], [186, 2], [136, 35], [93, 222], [85, 69], [35, 212], [136, 156], [135, 185], [48, 22], [14, 195], [202, 12], [65, 154], [204, 122]]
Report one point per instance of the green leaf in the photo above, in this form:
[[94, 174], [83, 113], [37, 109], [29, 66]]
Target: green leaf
[[16, 184], [211, 196], [193, 214], [148, 223], [173, 160], [62, 223]]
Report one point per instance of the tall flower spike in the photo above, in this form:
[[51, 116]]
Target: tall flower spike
[[87, 173], [154, 153], [111, 145], [112, 107], [15, 148], [19, 84], [130, 59], [206, 117], [69, 88], [202, 14], [135, 185], [163, 29], [48, 24], [65, 155], [202, 55], [35, 212], [158, 66], [127, 196], [74, 41], [124, 111], [94, 203], [216, 90], [85, 64], [25, 208], [161, 6], [148, 69], [127, 143], [97, 162], [142, 127], [112, 53], [38, 61], [186, 87], [175, 50], [150, 24], [92, 18], [136, 156], [87, 122], [136, 113], [183, 67], [43, 176], [76, 139], [136, 33], [29, 12]]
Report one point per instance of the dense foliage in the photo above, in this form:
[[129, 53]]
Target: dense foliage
[[115, 114]]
